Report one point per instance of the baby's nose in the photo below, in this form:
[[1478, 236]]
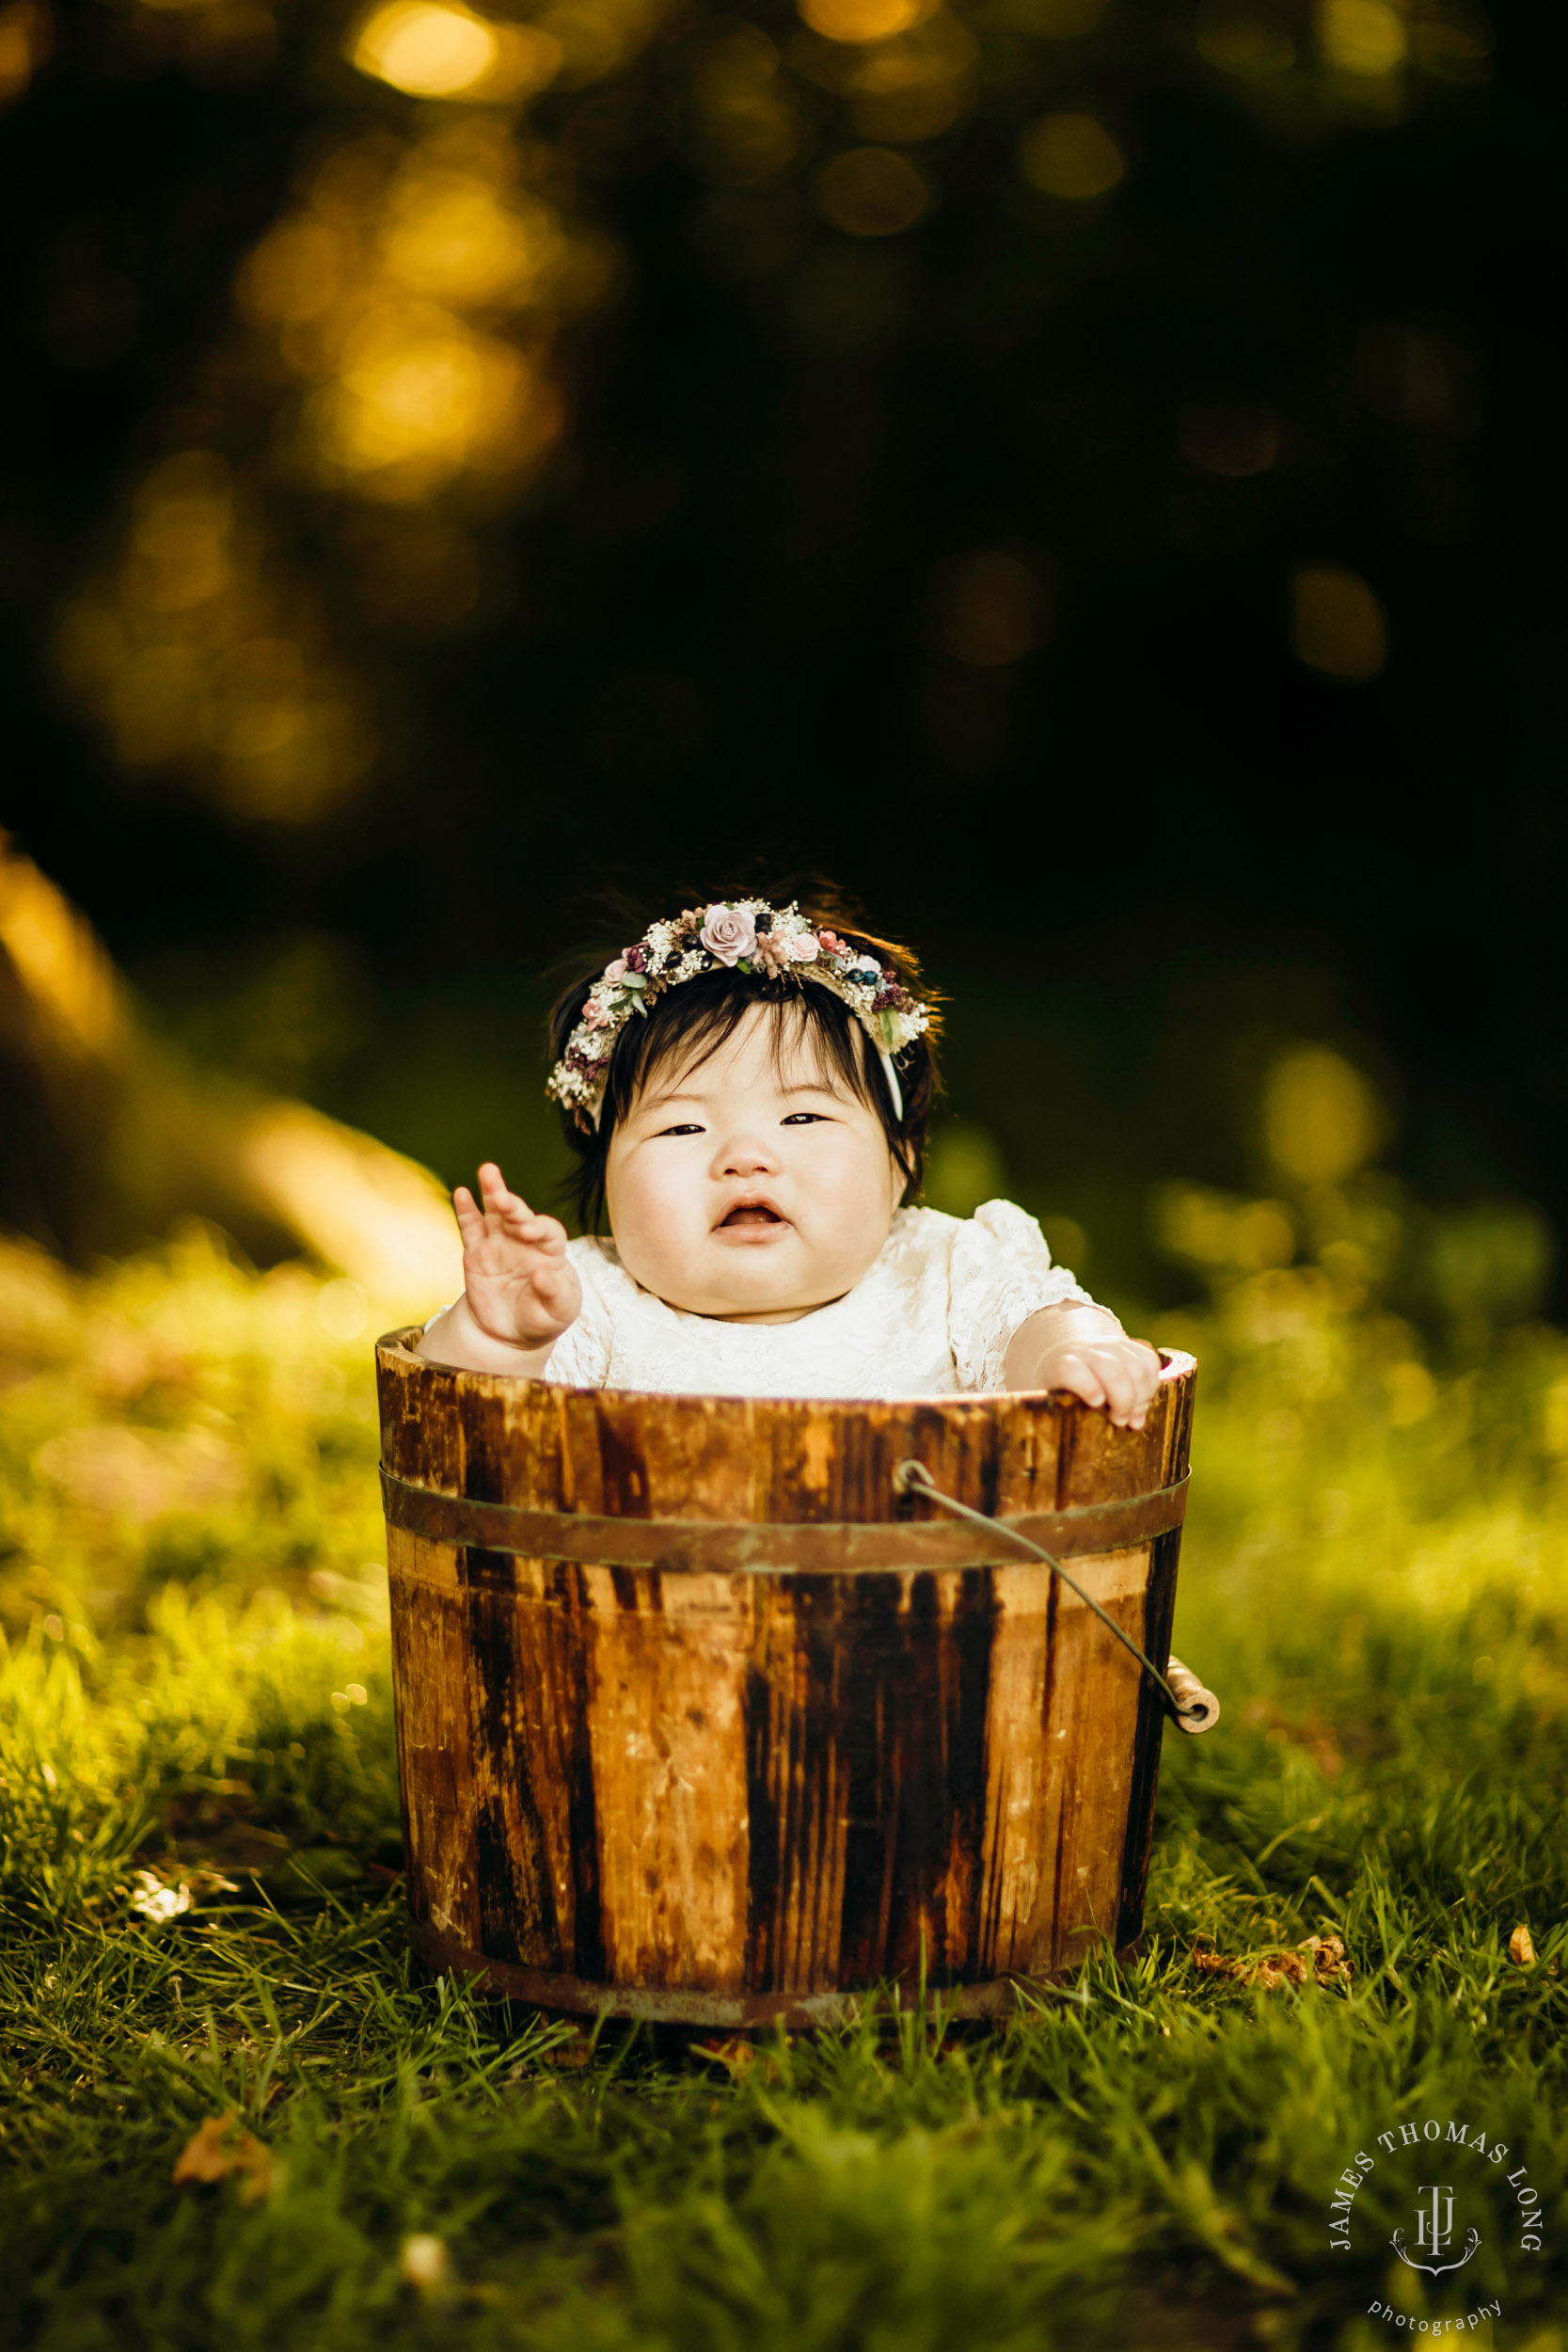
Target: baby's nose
[[746, 1155]]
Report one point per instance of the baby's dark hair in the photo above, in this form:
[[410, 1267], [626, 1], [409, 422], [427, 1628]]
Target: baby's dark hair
[[691, 1021]]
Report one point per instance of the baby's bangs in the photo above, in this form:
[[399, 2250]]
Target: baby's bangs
[[685, 1030]]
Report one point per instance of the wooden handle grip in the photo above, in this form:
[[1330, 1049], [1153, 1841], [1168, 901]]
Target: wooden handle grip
[[1191, 1692]]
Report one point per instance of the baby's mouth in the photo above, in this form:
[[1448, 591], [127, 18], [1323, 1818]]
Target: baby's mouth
[[751, 1213]]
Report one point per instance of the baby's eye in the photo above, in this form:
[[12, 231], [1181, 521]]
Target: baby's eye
[[690, 1128], [802, 1119]]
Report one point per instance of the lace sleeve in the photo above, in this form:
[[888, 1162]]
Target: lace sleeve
[[580, 1356], [1001, 1273]]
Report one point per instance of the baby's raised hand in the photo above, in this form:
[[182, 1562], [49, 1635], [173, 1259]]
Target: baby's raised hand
[[521, 1287]]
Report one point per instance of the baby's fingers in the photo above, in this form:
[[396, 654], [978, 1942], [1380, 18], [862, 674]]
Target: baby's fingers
[[1123, 1398], [1078, 1376], [470, 1217], [507, 1211], [1129, 1371], [501, 1205], [544, 1232]]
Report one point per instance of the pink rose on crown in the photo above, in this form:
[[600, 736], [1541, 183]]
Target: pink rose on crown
[[728, 934], [593, 1013], [616, 971], [802, 949]]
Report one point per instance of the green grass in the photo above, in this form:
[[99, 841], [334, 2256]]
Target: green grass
[[195, 1687]]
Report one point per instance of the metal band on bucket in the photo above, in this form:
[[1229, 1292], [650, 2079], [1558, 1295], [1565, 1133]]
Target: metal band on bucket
[[763, 1548]]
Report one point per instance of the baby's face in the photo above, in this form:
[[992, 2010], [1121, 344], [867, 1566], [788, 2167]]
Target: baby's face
[[750, 1187]]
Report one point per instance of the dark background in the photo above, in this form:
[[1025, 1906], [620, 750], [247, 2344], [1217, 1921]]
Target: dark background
[[725, 617]]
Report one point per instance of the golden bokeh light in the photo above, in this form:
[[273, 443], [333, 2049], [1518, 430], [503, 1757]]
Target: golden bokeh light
[[451, 235], [400, 321], [388, 292], [1338, 625], [1321, 1121], [420, 399], [1218, 1231], [437, 49], [427, 48], [1241, 39], [871, 191], [26, 42], [904, 87], [862, 20], [915, 87], [295, 272], [527, 60], [1362, 37], [261, 707], [196, 653], [1072, 156], [598, 36], [181, 536], [751, 127]]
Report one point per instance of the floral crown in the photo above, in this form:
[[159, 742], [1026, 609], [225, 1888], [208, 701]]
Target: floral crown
[[740, 935]]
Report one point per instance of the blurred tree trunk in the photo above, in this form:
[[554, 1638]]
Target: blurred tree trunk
[[105, 1141]]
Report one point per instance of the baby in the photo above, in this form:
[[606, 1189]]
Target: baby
[[749, 1089]]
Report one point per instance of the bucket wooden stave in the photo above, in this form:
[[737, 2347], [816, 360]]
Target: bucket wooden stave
[[725, 1795]]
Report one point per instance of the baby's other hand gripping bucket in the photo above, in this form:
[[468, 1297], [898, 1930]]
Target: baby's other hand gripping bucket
[[706, 1713]]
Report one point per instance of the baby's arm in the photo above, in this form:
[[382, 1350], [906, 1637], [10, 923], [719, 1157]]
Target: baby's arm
[[1084, 1350], [520, 1290]]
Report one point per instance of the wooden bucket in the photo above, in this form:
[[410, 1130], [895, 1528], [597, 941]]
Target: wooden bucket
[[707, 1723]]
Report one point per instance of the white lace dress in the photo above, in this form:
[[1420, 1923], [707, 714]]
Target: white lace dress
[[932, 1318]]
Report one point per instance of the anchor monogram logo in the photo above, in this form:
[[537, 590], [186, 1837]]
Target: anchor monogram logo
[[1478, 2164], [1434, 2234]]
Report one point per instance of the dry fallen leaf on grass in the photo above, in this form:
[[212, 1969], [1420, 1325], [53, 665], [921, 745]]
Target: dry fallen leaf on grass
[[220, 2150], [156, 1901], [160, 1900], [1521, 1951], [1320, 1957]]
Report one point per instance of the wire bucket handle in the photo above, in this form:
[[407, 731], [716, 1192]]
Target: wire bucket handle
[[1188, 1704]]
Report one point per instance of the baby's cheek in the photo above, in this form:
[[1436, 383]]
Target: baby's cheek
[[652, 1213], [854, 1198]]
